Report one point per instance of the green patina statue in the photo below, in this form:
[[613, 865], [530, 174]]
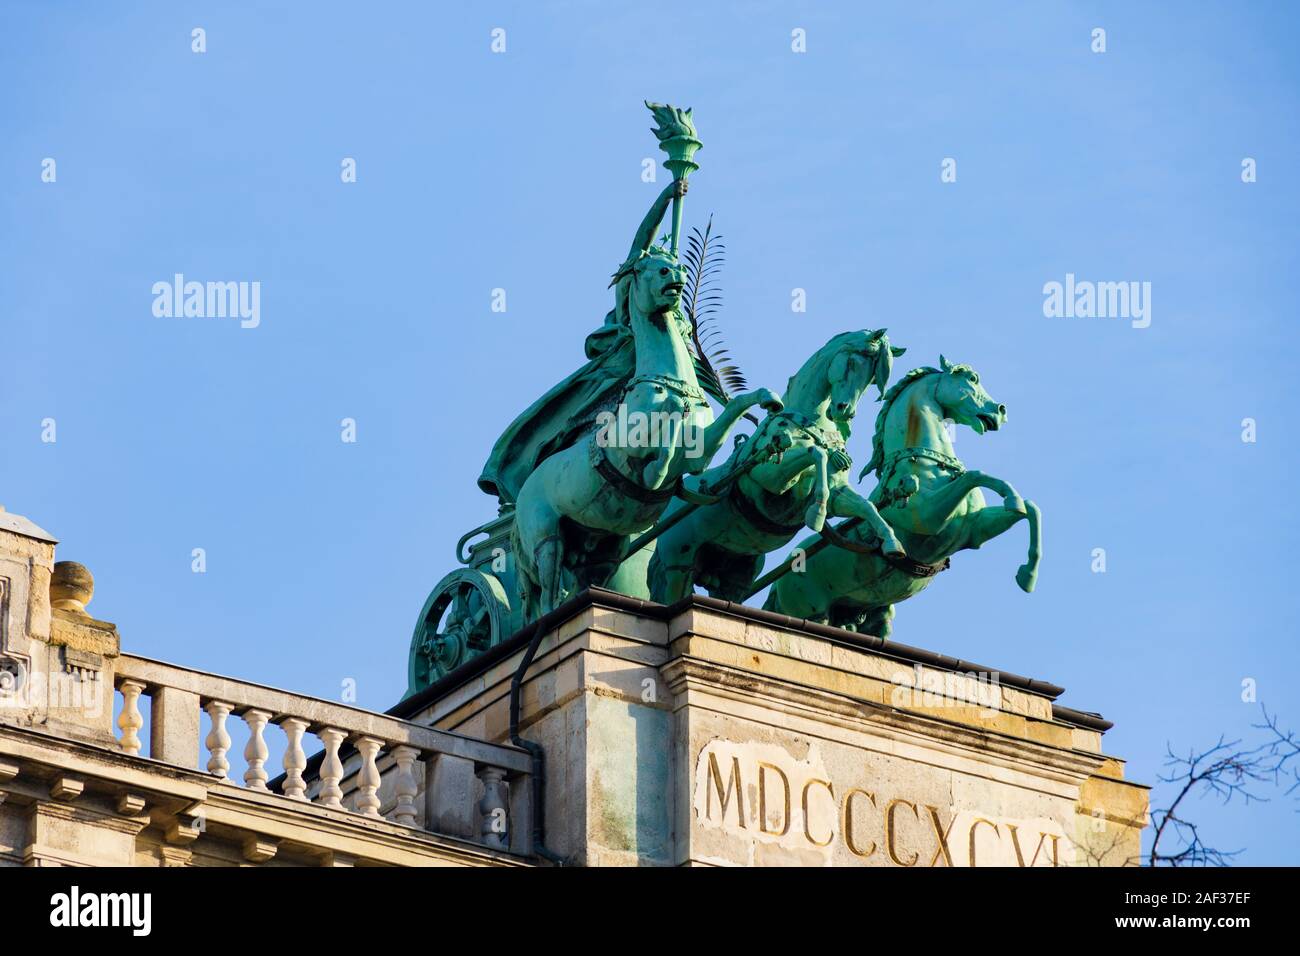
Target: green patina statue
[[802, 478], [606, 480], [580, 510], [927, 496], [568, 411]]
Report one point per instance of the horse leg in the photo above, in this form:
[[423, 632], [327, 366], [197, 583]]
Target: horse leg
[[716, 432], [656, 470], [525, 577], [1011, 499], [928, 512], [847, 503], [1027, 574], [672, 569], [878, 622], [776, 477], [988, 523], [815, 516], [547, 561]]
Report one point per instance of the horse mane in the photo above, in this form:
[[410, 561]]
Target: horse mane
[[887, 402], [828, 351]]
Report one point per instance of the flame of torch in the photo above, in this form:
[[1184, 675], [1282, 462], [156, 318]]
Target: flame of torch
[[676, 135]]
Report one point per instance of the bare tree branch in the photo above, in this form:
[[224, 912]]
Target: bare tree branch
[[1229, 771], [1283, 747]]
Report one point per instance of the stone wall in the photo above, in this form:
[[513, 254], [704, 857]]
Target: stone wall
[[711, 734], [701, 734]]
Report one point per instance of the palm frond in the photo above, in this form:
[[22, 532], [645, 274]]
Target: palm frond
[[703, 259]]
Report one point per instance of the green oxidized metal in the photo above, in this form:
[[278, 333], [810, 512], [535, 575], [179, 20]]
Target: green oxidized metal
[[927, 495], [606, 480]]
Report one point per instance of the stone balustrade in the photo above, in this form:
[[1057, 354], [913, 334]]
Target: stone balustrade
[[371, 763]]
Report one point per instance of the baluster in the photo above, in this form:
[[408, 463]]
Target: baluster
[[218, 740], [331, 768], [493, 807], [131, 720], [407, 787], [295, 759], [368, 776], [256, 752]]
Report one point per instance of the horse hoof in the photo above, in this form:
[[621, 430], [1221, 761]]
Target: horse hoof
[[895, 551], [1026, 578], [1015, 504], [815, 519]]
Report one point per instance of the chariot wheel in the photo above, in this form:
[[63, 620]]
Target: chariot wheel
[[467, 613]]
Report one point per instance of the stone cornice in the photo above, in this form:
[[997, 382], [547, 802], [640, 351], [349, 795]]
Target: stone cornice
[[686, 673], [171, 790], [612, 600], [17, 524]]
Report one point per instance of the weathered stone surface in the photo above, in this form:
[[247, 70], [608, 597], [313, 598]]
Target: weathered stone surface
[[711, 740], [72, 792], [716, 737]]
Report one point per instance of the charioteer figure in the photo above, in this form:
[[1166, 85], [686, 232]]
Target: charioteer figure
[[568, 411], [582, 511]]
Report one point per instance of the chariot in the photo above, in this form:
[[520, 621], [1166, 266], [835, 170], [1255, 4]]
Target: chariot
[[472, 608]]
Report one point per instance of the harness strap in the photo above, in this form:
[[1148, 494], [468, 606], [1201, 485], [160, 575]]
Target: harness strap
[[749, 511], [626, 486], [915, 568], [833, 441], [905, 564], [683, 388], [950, 462]]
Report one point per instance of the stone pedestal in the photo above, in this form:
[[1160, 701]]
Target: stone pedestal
[[715, 734]]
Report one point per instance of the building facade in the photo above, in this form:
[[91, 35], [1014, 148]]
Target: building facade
[[704, 733]]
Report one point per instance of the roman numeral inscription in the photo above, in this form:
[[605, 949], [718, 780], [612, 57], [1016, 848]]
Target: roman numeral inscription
[[753, 800]]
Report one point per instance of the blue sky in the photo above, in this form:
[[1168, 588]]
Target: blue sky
[[522, 171]]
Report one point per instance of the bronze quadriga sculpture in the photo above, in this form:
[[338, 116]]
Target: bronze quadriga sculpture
[[606, 480]]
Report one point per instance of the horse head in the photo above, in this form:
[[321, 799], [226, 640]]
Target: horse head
[[856, 360], [963, 399], [654, 282]]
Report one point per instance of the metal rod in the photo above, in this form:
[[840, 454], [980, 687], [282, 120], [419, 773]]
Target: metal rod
[[724, 487], [784, 567], [677, 222], [659, 529]]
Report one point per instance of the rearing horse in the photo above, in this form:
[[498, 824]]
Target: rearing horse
[[722, 546], [578, 511], [926, 495]]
